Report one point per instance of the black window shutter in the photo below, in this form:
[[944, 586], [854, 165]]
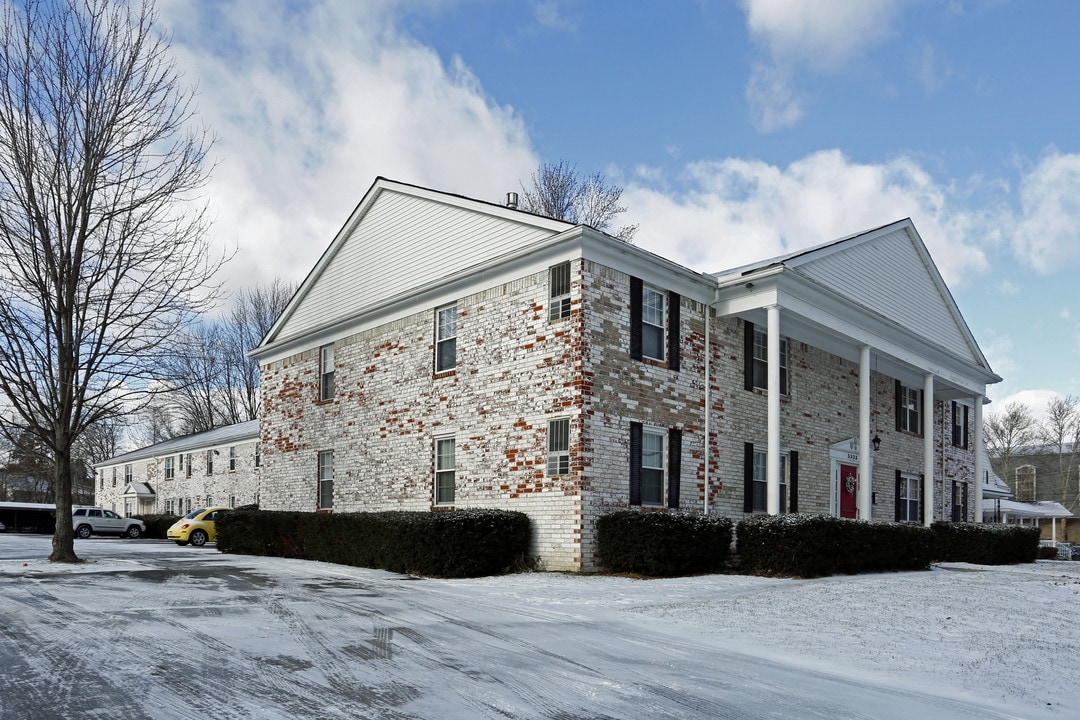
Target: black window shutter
[[899, 405], [748, 477], [793, 481], [898, 515], [673, 341], [635, 317], [674, 440], [748, 354], [922, 498], [965, 427], [963, 502], [635, 463]]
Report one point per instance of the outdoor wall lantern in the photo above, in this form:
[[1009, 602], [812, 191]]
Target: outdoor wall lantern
[[877, 443]]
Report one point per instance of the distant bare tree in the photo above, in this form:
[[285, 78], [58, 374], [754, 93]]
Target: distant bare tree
[[558, 191], [1008, 433], [1059, 433], [254, 312], [196, 379], [104, 254]]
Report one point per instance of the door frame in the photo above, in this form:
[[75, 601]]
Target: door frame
[[845, 452]]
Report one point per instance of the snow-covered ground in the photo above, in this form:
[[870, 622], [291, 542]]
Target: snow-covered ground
[[957, 641]]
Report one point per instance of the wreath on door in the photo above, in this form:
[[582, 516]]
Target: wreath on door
[[849, 484]]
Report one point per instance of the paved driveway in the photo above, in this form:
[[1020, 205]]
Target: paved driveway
[[150, 630]]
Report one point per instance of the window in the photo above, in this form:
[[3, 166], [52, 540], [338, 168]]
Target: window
[[446, 338], [908, 494], [187, 503], [959, 425], [445, 465], [101, 476], [209, 502], [654, 324], [188, 471], [760, 482], [127, 474], [908, 408], [757, 359], [169, 507], [655, 465], [326, 479], [180, 458], [232, 458], [559, 291], [959, 501], [558, 447], [209, 462], [258, 456], [326, 372], [170, 470], [114, 477], [232, 501]]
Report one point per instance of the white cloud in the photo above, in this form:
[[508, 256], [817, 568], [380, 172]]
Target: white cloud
[[738, 211], [548, 14], [310, 104], [1036, 400], [931, 72], [1046, 233], [819, 35]]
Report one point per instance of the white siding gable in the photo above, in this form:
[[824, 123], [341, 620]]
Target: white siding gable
[[404, 242], [893, 275]]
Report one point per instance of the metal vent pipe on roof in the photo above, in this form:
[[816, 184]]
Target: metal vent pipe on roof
[[512, 200]]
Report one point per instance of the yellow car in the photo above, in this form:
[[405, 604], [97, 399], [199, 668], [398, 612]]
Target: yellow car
[[197, 527]]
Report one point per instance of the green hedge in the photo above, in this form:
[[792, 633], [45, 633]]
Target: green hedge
[[799, 545], [157, 525], [459, 543], [661, 544], [986, 543]]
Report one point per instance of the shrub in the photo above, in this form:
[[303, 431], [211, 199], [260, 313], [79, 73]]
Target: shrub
[[459, 543], [157, 525], [985, 543], [662, 544], [799, 545], [1048, 552]]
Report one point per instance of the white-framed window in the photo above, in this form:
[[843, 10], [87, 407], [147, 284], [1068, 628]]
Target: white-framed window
[[326, 372], [209, 462], [445, 470], [761, 482], [446, 338], [127, 474], [959, 425], [170, 469], [258, 455], [652, 466], [169, 506], [908, 492], [180, 459], [653, 323], [558, 447], [209, 501], [188, 471], [232, 458], [761, 361], [326, 480], [909, 408], [114, 477], [232, 501], [559, 291], [101, 477]]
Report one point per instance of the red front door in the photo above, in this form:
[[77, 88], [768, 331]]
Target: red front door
[[848, 488]]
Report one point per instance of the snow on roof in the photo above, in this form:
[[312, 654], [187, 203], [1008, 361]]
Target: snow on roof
[[227, 435], [1043, 509]]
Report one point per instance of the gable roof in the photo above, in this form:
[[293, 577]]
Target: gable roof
[[429, 234], [227, 435], [888, 274]]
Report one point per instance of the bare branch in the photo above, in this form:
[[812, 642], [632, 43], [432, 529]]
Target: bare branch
[[557, 191]]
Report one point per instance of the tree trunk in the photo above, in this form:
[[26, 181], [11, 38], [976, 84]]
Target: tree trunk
[[64, 535]]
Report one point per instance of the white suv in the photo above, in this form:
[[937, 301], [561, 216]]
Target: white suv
[[89, 521]]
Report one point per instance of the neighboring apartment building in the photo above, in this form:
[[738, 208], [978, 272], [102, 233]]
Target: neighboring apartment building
[[1045, 481], [216, 467], [452, 353]]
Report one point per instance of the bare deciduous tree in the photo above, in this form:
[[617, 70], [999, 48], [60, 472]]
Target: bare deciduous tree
[[1006, 433], [1059, 433], [104, 255], [559, 192]]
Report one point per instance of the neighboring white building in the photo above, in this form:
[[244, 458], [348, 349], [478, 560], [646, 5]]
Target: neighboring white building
[[448, 353], [216, 467]]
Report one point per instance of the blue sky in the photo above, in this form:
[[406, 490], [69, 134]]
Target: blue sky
[[738, 129]]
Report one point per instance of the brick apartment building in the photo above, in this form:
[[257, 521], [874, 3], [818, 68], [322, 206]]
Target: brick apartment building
[[451, 353]]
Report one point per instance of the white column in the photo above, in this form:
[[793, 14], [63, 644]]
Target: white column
[[772, 458], [865, 480], [928, 449], [979, 470]]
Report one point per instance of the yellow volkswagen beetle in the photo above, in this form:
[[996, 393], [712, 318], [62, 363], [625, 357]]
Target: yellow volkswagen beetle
[[197, 527]]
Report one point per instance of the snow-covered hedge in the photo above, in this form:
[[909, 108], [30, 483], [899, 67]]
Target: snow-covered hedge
[[458, 543], [986, 543], [663, 544], [800, 545]]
